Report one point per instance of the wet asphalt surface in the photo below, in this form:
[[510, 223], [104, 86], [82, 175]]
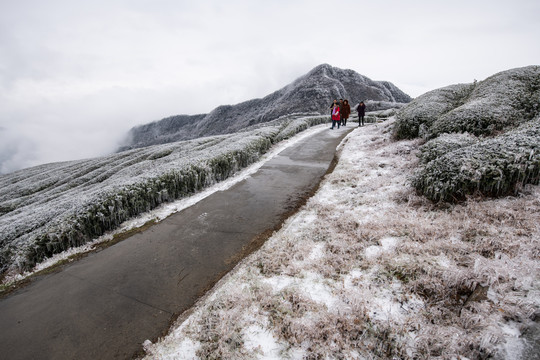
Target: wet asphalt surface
[[105, 305]]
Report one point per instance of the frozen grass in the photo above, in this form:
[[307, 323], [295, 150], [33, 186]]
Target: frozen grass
[[52, 208], [367, 269]]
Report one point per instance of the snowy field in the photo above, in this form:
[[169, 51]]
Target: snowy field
[[368, 269], [168, 208]]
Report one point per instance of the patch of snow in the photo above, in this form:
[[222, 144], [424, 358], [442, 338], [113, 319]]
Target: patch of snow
[[313, 286], [317, 252], [373, 251], [389, 243], [279, 283], [262, 342], [513, 345]]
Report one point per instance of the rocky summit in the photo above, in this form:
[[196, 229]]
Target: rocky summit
[[309, 94]]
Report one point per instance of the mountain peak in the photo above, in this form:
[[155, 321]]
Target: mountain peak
[[321, 68], [311, 93]]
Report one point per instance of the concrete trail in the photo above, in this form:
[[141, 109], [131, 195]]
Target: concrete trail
[[107, 304]]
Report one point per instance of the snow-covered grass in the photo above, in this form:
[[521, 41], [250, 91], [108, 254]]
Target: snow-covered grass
[[369, 269], [50, 209]]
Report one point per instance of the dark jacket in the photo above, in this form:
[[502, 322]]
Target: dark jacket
[[361, 109], [345, 110]]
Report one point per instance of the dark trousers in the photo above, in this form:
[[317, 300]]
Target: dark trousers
[[334, 122], [360, 120]]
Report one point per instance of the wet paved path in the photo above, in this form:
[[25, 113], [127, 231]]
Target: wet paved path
[[107, 304]]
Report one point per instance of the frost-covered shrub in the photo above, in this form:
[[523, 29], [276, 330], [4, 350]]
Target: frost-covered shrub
[[423, 111], [385, 114], [444, 144], [380, 115], [50, 208], [502, 101], [296, 125], [494, 167], [376, 115], [372, 105]]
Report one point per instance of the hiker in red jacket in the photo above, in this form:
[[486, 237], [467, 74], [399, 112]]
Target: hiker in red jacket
[[336, 119]]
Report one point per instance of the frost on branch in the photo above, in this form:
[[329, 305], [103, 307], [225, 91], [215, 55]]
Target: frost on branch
[[444, 144], [494, 167], [503, 111]]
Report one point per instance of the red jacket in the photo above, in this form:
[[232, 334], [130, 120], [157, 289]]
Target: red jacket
[[335, 113]]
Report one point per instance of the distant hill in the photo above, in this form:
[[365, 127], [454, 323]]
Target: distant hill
[[311, 94]]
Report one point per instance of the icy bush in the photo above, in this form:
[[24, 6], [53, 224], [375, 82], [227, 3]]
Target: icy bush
[[50, 208], [379, 115], [501, 101], [444, 144], [454, 166], [422, 112], [373, 105], [493, 167], [298, 124]]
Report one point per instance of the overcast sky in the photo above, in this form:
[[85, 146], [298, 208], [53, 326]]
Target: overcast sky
[[76, 75]]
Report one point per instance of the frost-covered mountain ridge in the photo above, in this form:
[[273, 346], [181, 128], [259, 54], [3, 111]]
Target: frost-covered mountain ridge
[[311, 93]]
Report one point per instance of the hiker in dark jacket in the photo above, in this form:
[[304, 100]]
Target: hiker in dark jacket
[[345, 112], [340, 115], [361, 113]]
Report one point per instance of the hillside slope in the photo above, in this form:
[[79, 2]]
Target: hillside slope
[[482, 138], [311, 93], [50, 208], [501, 101]]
